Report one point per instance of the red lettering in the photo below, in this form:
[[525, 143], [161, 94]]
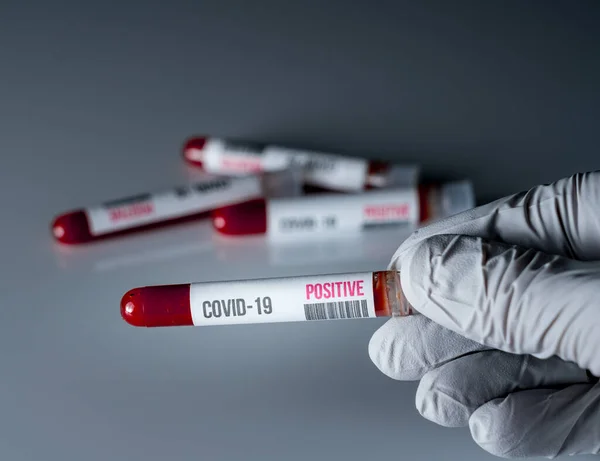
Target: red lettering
[[360, 288], [339, 290], [241, 164], [351, 287], [131, 211], [387, 211], [310, 289], [329, 290], [318, 291]]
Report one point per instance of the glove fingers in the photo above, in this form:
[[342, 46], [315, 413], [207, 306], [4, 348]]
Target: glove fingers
[[559, 218], [507, 297], [406, 348], [449, 394], [541, 422]]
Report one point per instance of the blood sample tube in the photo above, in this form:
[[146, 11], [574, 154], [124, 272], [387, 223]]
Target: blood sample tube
[[290, 299], [181, 204], [334, 214], [322, 171]]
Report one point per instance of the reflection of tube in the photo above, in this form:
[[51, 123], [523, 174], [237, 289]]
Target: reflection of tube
[[187, 244], [319, 297], [334, 214], [323, 170], [375, 248], [177, 205], [153, 255]]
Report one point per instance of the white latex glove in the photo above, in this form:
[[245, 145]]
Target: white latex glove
[[510, 297]]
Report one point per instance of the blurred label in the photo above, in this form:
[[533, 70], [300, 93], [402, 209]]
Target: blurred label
[[182, 201], [333, 214], [329, 171], [232, 157]]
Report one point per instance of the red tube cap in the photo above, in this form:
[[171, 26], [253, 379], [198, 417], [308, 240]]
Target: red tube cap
[[71, 228], [248, 218], [193, 150], [159, 306]]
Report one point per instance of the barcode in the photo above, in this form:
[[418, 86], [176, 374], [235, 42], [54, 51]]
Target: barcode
[[337, 310]]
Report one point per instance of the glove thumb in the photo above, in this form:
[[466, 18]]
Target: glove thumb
[[506, 297]]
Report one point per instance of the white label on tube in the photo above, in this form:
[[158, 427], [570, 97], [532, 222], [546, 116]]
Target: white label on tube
[[329, 171], [335, 214], [234, 158], [182, 201], [319, 297], [326, 170]]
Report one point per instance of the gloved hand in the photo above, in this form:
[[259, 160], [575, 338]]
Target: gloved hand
[[510, 297]]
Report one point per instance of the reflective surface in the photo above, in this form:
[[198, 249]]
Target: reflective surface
[[82, 383], [95, 100]]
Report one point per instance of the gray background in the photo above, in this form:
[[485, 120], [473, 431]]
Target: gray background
[[95, 100]]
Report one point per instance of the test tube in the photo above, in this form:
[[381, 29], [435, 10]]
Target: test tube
[[181, 204], [334, 214], [322, 171], [274, 300]]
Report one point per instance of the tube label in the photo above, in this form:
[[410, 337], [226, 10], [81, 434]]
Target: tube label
[[238, 158], [319, 297], [333, 214], [176, 203], [330, 171]]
